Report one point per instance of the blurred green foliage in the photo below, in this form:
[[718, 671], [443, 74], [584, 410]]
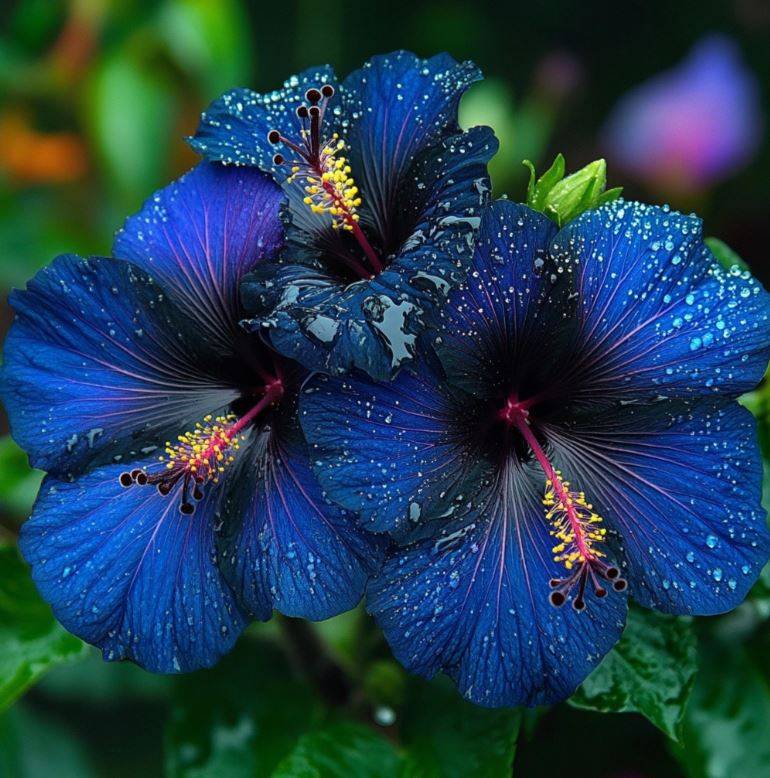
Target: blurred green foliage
[[31, 639], [95, 100]]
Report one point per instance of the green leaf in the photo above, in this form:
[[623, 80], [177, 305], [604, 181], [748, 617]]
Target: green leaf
[[18, 481], [651, 671], [724, 254], [562, 199], [209, 40], [33, 745], [130, 110], [239, 719], [727, 726], [341, 750], [446, 736], [32, 640]]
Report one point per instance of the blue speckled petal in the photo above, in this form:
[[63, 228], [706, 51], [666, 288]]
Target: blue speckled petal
[[287, 547], [126, 571], [398, 105], [334, 326], [389, 112], [473, 602], [681, 484], [330, 326], [395, 453], [440, 203], [657, 315], [495, 326], [234, 127], [100, 365], [200, 235]]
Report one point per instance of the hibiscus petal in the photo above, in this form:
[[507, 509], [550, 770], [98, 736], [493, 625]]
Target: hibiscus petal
[[234, 127], [397, 105], [100, 364], [200, 235], [373, 325], [656, 314], [514, 301], [287, 547], [681, 484], [471, 598], [125, 570], [441, 201], [473, 602], [394, 453]]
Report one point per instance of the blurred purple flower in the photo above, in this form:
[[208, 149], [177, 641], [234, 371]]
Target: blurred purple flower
[[690, 126]]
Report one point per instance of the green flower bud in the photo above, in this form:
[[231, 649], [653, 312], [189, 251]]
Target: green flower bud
[[562, 199]]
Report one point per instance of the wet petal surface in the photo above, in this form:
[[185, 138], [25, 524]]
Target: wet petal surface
[[394, 453], [200, 235], [373, 325], [100, 365], [287, 547], [397, 105], [656, 314], [472, 601], [680, 482], [125, 570], [234, 128]]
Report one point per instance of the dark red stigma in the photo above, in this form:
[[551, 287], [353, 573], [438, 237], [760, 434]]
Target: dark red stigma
[[594, 569]]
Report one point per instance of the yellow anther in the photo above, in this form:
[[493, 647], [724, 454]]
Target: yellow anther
[[573, 522], [199, 450], [328, 185]]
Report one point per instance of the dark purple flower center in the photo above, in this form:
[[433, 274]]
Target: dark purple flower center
[[201, 456]]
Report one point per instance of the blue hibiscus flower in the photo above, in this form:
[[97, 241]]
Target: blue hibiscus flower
[[179, 501], [575, 440], [384, 195]]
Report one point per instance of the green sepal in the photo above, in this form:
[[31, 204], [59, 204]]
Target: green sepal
[[538, 189], [562, 199]]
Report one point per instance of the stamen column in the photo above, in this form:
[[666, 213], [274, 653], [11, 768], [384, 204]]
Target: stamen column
[[327, 179], [574, 522]]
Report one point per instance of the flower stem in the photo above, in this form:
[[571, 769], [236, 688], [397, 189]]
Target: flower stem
[[310, 654]]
